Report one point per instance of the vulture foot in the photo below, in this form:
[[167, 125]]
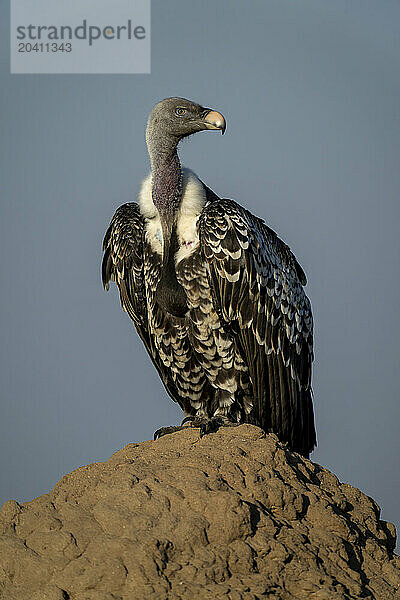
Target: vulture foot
[[165, 430], [205, 425], [209, 425]]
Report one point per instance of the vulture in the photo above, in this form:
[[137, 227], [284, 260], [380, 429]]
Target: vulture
[[215, 295]]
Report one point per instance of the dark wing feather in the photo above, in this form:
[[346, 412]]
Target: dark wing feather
[[123, 260], [257, 286], [123, 263]]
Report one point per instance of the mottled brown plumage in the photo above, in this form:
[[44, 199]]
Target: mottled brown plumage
[[216, 297]]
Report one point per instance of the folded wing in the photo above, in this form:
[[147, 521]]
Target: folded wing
[[258, 290], [123, 263]]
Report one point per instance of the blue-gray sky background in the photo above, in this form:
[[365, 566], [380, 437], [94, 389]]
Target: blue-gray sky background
[[310, 90]]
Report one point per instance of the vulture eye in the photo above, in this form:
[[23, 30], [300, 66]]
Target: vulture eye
[[180, 111]]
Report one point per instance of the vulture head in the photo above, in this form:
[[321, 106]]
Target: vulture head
[[175, 118]]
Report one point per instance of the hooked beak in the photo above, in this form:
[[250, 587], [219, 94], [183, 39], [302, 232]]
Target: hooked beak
[[214, 120]]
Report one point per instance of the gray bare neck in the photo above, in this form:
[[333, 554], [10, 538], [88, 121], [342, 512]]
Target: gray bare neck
[[167, 184], [166, 171]]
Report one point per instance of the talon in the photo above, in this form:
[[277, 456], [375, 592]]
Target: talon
[[212, 425], [187, 420], [166, 430]]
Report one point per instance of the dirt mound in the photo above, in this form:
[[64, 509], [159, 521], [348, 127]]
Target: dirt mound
[[233, 515]]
